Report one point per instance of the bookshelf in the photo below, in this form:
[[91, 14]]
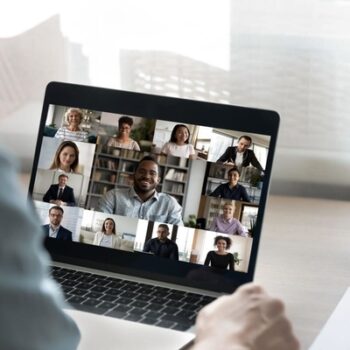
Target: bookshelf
[[115, 167]]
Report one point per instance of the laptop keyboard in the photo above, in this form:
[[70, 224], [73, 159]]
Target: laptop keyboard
[[128, 300]]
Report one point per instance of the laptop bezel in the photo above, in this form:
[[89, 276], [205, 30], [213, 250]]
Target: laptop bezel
[[247, 120]]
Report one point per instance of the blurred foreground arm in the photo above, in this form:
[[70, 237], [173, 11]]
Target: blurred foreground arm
[[30, 303], [249, 319]]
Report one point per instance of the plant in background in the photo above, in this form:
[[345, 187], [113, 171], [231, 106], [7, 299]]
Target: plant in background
[[192, 221], [236, 258]]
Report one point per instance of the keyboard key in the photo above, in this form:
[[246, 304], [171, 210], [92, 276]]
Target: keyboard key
[[129, 295], [139, 304], [143, 297], [115, 314], [99, 289], [133, 317], [69, 283], [86, 286], [165, 324], [92, 302], [94, 295], [76, 300], [115, 292], [186, 314], [154, 314], [109, 298], [182, 326], [170, 310], [137, 311], [148, 320], [79, 292], [87, 308], [124, 301], [106, 305], [122, 308]]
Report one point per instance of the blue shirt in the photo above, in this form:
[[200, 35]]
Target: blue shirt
[[124, 201]]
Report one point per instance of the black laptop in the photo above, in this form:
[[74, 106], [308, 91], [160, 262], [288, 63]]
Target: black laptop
[[151, 206]]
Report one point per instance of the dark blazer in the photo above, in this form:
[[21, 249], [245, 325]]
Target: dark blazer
[[67, 196], [248, 157], [63, 233]]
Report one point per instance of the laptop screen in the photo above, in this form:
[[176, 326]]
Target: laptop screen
[[171, 189]]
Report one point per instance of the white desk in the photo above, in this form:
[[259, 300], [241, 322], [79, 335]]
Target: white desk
[[304, 258]]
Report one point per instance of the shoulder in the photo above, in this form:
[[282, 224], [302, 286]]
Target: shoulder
[[164, 197], [63, 229]]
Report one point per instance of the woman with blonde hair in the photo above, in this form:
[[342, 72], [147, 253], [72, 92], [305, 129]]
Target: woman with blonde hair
[[66, 158], [72, 132], [107, 236]]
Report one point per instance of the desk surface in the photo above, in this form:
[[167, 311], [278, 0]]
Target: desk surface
[[304, 258]]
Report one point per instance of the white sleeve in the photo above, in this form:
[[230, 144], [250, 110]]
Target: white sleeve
[[165, 148], [30, 301], [191, 149]]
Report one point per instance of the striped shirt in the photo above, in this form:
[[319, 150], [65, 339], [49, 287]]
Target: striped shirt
[[66, 134], [124, 201]]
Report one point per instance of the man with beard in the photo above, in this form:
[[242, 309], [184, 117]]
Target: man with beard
[[54, 229], [142, 200]]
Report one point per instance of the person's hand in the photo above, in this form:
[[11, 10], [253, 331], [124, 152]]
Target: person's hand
[[248, 319], [230, 162]]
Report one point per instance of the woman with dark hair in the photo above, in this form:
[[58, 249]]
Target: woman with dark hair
[[123, 140], [179, 145], [220, 258], [107, 236], [72, 132], [66, 158]]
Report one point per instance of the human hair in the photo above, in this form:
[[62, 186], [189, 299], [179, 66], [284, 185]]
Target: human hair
[[103, 225], [248, 138], [234, 169], [56, 161], [72, 109], [173, 133], [147, 158], [63, 175], [229, 204], [164, 226], [56, 207], [125, 120], [223, 238]]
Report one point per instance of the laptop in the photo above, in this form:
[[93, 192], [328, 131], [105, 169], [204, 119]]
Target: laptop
[[152, 207]]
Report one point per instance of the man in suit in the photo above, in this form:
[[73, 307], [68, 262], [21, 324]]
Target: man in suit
[[240, 155], [54, 228], [60, 194]]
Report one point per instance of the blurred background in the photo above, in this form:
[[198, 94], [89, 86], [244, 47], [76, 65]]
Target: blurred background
[[289, 56]]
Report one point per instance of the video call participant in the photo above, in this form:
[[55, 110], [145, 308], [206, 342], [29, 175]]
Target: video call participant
[[54, 229], [66, 158], [179, 145], [226, 223], [72, 132], [240, 156], [220, 258], [162, 246], [61, 193], [107, 237], [123, 140], [142, 200], [232, 189]]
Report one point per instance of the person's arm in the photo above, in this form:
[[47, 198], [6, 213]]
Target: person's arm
[[225, 156], [136, 146], [165, 148], [241, 230], [231, 266], [254, 161], [107, 203], [174, 212], [207, 259], [217, 192], [174, 255], [30, 296], [47, 196], [95, 242], [147, 247], [248, 319], [244, 194], [71, 198], [213, 225]]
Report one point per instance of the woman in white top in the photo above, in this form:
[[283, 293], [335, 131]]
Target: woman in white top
[[179, 145], [66, 158], [72, 132], [123, 140], [107, 237]]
